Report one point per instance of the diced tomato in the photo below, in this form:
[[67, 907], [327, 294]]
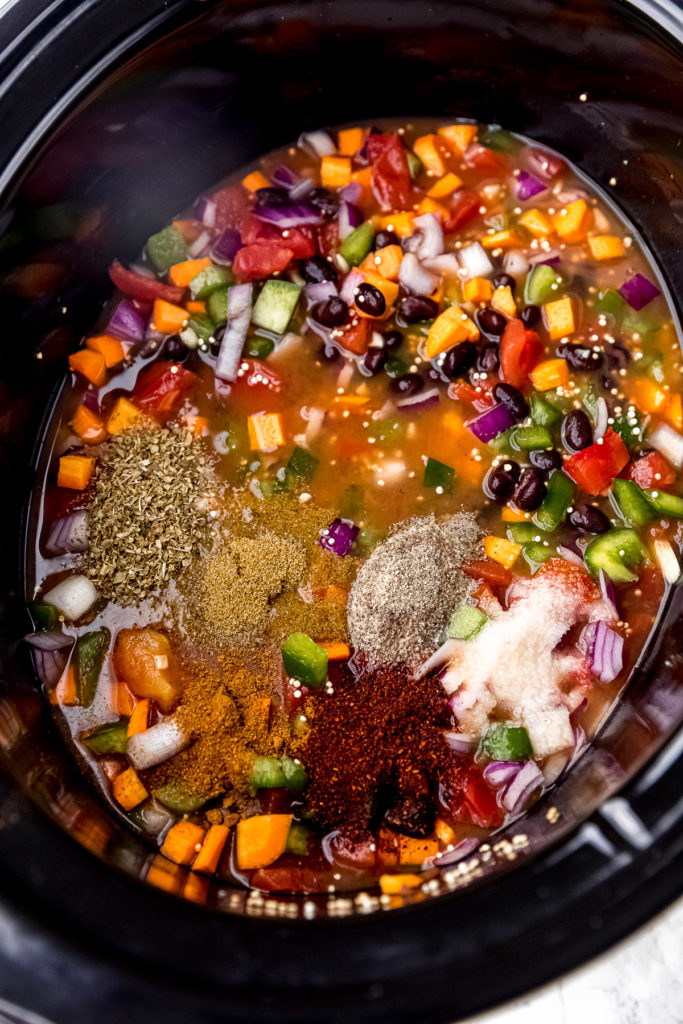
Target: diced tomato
[[255, 374], [480, 398], [292, 879], [300, 240], [357, 853], [464, 207], [146, 289], [160, 388], [276, 800], [651, 470], [231, 204], [327, 236], [467, 796], [485, 161], [261, 259], [493, 573], [594, 468], [571, 577], [354, 336], [520, 350], [485, 599], [391, 182]]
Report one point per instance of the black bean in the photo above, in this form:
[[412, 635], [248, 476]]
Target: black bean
[[392, 340], [531, 489], [530, 315], [499, 483], [546, 459], [370, 299], [489, 359], [413, 814], [513, 399], [175, 348], [317, 269], [505, 281], [407, 385], [580, 357], [329, 354], [608, 382], [577, 432], [373, 360], [384, 238], [618, 356], [459, 359], [271, 196], [323, 202], [331, 313], [490, 321], [588, 519], [418, 307]]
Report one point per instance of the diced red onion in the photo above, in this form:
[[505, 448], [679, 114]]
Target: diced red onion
[[491, 423], [667, 560], [460, 742], [608, 590], [638, 291], [569, 555], [669, 442], [127, 323], [460, 850], [69, 534], [235, 334], [351, 192], [351, 282], [500, 773], [414, 277], [515, 263], [545, 165], [439, 658], [91, 402], [446, 263], [49, 640], [227, 246], [319, 292], [339, 537], [284, 177], [205, 211], [50, 654], [549, 257], [158, 744], [604, 650], [292, 216], [419, 401], [528, 186], [73, 597], [349, 218], [474, 261], [426, 240], [300, 189], [515, 795], [320, 143]]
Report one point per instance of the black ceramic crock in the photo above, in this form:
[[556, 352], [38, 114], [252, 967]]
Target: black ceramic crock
[[113, 116]]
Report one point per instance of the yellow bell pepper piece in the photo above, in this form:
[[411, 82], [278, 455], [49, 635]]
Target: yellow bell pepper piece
[[448, 329], [537, 223], [444, 186], [501, 240], [574, 221], [504, 302], [605, 247], [458, 136], [552, 373], [503, 551], [477, 289], [559, 316]]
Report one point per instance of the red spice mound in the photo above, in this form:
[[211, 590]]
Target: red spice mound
[[380, 729]]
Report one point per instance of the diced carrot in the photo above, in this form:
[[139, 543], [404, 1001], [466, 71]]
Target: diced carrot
[[197, 306], [197, 425], [65, 693], [165, 875], [212, 848], [350, 141], [335, 171], [605, 247], [504, 302], [444, 832], [559, 316], [363, 177], [90, 364], [477, 289], [389, 290], [503, 551], [430, 149], [123, 415], [254, 181], [128, 790], [444, 186], [674, 412], [513, 515], [448, 329], [336, 650], [196, 888], [167, 318], [357, 400], [261, 839], [124, 701], [652, 398], [384, 261], [501, 240], [458, 136], [110, 349], [416, 851], [183, 841], [429, 205], [551, 373], [400, 223], [537, 223], [182, 273], [88, 425], [75, 471], [392, 885], [574, 221], [265, 431], [139, 718]]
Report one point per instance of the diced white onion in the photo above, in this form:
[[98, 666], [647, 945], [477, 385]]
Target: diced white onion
[[600, 418], [549, 731], [164, 740], [414, 277], [515, 263], [669, 442], [668, 563], [320, 143], [474, 261], [446, 264], [427, 241], [73, 597], [440, 657]]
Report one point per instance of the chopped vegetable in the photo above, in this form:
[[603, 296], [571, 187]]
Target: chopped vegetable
[[206, 861], [438, 475], [500, 550], [127, 789], [73, 597], [261, 839], [553, 509], [265, 431], [111, 349], [594, 468], [275, 305], [75, 471], [616, 552], [110, 738], [304, 660], [90, 650], [166, 248], [503, 742], [357, 245], [465, 622], [91, 364], [183, 842]]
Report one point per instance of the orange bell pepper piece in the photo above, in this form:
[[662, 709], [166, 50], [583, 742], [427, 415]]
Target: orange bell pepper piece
[[444, 186], [88, 425], [503, 551], [90, 364], [559, 316], [261, 839], [254, 181], [448, 329], [458, 136], [335, 171], [350, 141], [551, 373], [385, 262], [167, 318], [574, 221], [182, 273], [139, 718], [605, 247], [430, 149], [123, 415], [110, 349], [477, 289], [75, 471]]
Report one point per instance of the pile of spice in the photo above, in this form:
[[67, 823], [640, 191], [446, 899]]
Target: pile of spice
[[148, 515], [407, 589], [378, 733]]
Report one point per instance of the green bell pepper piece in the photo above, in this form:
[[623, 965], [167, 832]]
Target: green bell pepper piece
[[438, 474], [536, 553], [304, 660], [502, 742], [178, 797], [358, 244], [609, 301], [258, 348], [617, 552], [553, 509], [166, 248], [110, 738], [208, 280], [202, 325], [275, 305], [387, 431], [531, 438], [294, 774], [523, 533], [297, 839], [499, 140], [543, 412], [90, 651], [465, 622], [630, 502], [300, 467], [542, 284], [46, 616], [630, 427], [664, 504]]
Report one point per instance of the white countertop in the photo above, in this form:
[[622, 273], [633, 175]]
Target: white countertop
[[639, 981]]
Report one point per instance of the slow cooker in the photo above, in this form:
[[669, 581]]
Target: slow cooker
[[113, 118]]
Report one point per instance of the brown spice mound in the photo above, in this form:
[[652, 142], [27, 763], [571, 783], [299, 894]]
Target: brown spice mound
[[381, 729], [407, 589]]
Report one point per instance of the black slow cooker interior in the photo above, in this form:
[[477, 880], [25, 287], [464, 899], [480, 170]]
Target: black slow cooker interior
[[113, 119]]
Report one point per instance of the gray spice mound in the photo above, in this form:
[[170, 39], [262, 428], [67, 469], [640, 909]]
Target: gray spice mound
[[407, 589]]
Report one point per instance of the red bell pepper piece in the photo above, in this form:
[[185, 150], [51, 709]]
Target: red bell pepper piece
[[327, 237], [594, 468], [488, 163], [467, 796], [231, 205], [520, 350], [146, 289], [160, 388], [262, 259], [300, 240], [651, 470], [391, 182], [464, 207], [354, 335]]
